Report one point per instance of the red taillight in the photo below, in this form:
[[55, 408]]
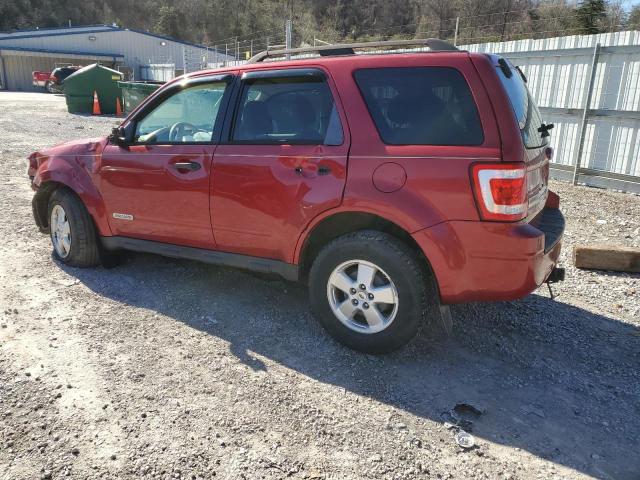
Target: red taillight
[[500, 190]]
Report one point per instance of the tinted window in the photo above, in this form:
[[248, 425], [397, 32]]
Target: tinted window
[[187, 116], [62, 73], [525, 109], [421, 106], [287, 110]]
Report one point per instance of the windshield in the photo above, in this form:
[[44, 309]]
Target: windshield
[[526, 112]]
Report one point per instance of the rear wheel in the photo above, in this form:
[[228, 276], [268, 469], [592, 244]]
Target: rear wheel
[[368, 291], [73, 234]]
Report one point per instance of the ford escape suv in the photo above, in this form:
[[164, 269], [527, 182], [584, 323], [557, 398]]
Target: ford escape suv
[[384, 181]]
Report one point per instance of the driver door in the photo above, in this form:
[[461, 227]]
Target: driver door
[[157, 187]]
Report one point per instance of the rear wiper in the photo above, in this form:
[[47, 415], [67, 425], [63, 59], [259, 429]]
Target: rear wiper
[[522, 75], [544, 129]]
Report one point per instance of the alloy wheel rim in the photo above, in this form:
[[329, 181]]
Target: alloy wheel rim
[[362, 296], [60, 231]]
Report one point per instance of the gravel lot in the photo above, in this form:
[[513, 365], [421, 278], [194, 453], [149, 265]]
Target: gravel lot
[[161, 368]]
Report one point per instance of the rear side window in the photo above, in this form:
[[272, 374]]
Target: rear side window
[[526, 112], [421, 106], [288, 110]]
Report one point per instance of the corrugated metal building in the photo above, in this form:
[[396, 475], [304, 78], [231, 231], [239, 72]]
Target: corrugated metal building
[[24, 51]]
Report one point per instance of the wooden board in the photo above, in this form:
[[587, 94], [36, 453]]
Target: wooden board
[[607, 257]]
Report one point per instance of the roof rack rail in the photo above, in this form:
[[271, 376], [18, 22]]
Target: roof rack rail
[[435, 44]]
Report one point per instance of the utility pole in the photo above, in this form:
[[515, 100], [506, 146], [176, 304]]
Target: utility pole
[[287, 37], [504, 21], [455, 35]]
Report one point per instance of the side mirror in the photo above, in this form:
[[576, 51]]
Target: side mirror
[[119, 137]]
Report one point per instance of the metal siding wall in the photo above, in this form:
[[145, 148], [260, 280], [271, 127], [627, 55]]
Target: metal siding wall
[[19, 69], [138, 49], [3, 80], [19, 72]]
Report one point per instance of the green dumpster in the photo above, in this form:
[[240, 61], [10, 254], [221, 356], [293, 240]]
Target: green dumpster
[[133, 93], [79, 88]]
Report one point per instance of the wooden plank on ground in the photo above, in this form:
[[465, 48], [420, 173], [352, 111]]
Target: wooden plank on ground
[[607, 257]]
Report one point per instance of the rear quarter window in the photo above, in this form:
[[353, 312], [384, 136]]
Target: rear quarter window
[[526, 112], [421, 105]]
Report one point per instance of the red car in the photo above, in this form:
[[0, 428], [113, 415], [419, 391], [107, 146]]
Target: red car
[[41, 79], [370, 177]]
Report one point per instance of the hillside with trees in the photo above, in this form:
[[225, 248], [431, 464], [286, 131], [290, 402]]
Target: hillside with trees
[[229, 21]]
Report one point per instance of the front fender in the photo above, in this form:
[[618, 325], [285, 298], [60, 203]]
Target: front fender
[[75, 172]]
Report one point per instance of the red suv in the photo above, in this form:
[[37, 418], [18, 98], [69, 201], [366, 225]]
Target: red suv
[[371, 177]]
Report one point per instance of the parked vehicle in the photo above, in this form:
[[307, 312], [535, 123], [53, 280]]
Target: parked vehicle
[[41, 79], [386, 182], [58, 76]]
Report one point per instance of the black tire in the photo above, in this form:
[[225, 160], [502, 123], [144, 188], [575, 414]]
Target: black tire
[[48, 87], [83, 251], [402, 266]]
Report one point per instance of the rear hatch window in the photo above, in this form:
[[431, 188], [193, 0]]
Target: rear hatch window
[[535, 141], [525, 109]]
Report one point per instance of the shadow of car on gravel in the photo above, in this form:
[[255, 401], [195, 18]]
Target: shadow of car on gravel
[[553, 379]]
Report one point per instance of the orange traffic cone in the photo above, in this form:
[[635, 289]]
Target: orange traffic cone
[[96, 104], [118, 107]]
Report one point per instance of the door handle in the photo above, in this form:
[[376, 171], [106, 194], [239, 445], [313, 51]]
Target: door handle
[[193, 166], [322, 170]]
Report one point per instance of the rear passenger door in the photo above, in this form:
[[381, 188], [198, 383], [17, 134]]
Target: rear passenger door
[[283, 161]]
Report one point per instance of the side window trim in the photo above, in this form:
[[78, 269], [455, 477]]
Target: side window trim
[[245, 79], [228, 78], [284, 73]]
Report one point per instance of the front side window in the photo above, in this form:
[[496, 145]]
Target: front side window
[[187, 116], [421, 105], [288, 110]]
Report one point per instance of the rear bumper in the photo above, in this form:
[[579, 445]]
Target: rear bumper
[[478, 261]]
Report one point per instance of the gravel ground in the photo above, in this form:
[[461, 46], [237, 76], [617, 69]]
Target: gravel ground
[[161, 368]]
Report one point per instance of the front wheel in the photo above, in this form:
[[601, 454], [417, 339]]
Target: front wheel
[[368, 290], [73, 234], [49, 87]]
